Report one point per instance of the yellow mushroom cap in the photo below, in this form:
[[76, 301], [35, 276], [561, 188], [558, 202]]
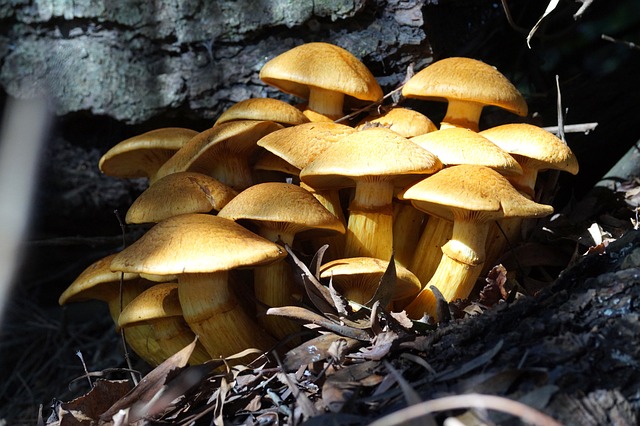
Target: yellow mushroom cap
[[281, 206], [179, 193], [476, 193], [364, 274], [465, 79], [195, 243], [91, 282], [456, 145], [301, 144], [157, 302], [533, 146], [403, 121], [265, 109], [375, 154], [142, 155], [321, 65]]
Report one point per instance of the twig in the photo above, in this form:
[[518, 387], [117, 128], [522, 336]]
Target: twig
[[629, 44], [472, 400], [573, 128]]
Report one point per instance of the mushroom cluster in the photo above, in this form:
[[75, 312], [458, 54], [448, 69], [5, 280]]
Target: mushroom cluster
[[223, 203]]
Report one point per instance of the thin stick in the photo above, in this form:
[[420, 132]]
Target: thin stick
[[629, 44], [472, 400], [573, 128]]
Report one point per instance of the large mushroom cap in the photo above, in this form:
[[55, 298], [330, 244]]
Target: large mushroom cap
[[465, 79], [266, 109], [376, 153], [477, 192], [195, 243], [456, 145], [533, 146], [179, 193], [321, 65], [301, 144], [281, 206], [142, 155]]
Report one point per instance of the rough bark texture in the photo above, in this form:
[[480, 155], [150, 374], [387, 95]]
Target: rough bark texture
[[133, 60]]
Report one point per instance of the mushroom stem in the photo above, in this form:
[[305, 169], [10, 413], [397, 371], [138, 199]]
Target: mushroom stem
[[215, 315], [407, 223], [458, 270], [462, 114], [330, 199], [173, 334], [427, 255], [232, 170], [326, 102], [526, 182], [370, 225], [274, 287]]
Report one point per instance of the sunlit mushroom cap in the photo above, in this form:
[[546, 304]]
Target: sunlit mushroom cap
[[456, 145], [282, 206], [365, 273], [476, 192], [465, 79], [266, 109], [200, 153], [322, 65], [301, 144], [403, 121], [142, 155], [533, 146], [376, 153], [196, 243], [179, 193]]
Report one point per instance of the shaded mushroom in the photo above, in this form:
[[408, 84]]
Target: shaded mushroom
[[159, 307], [468, 85], [323, 74], [358, 278], [403, 121], [98, 282], [142, 155], [201, 250]]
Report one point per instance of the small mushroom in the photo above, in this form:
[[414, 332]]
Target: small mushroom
[[159, 307], [143, 155], [468, 85], [405, 122], [323, 74], [358, 278], [265, 109]]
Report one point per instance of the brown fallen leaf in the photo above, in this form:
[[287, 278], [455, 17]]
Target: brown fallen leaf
[[318, 349], [86, 410]]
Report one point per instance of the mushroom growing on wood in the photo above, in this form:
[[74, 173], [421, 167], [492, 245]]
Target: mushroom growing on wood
[[375, 161], [323, 74], [98, 282], [143, 155], [201, 250], [468, 85], [281, 211], [159, 307], [472, 197]]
